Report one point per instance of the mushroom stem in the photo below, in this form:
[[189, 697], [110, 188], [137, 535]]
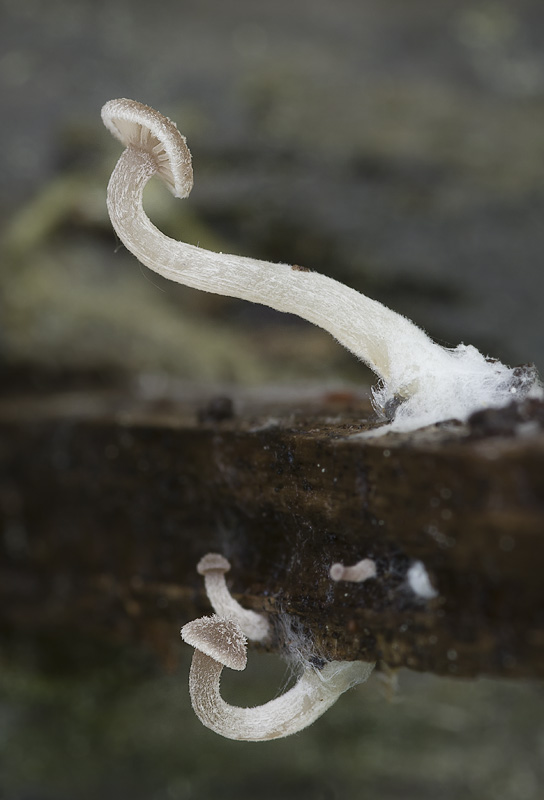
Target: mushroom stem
[[369, 329], [213, 567], [310, 697]]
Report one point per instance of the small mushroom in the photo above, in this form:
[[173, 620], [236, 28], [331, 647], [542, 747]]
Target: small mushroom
[[435, 383], [358, 573], [213, 567], [220, 642]]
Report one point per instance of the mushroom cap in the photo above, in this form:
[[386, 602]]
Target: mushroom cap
[[212, 561], [139, 126], [336, 572], [221, 639]]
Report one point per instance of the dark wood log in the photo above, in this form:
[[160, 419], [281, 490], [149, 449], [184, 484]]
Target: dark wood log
[[108, 502]]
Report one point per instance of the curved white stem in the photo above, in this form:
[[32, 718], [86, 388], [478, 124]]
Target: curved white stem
[[254, 625], [377, 335], [312, 695], [213, 567]]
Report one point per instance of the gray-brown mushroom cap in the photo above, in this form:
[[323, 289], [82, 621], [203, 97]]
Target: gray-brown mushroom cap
[[212, 561], [221, 639], [139, 126]]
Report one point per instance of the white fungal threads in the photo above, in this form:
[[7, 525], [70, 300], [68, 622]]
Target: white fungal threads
[[220, 642], [358, 573], [419, 581], [213, 567], [434, 383]]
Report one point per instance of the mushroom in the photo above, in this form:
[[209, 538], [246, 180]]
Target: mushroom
[[213, 567], [220, 642], [420, 381], [359, 572]]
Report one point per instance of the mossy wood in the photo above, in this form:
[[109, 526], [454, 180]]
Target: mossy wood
[[108, 502]]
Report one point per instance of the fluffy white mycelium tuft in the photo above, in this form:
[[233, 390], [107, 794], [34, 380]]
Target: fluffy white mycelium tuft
[[419, 581], [420, 382]]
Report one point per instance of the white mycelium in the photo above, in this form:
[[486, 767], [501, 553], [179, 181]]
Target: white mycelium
[[419, 581]]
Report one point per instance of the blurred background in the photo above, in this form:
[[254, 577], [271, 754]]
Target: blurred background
[[396, 146]]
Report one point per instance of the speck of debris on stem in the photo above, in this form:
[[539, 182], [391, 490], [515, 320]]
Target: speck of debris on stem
[[298, 268]]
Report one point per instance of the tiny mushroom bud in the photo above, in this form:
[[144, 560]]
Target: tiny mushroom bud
[[358, 573], [213, 567], [419, 581], [420, 381], [220, 642]]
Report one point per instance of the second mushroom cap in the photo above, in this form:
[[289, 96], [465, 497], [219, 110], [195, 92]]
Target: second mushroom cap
[[221, 639]]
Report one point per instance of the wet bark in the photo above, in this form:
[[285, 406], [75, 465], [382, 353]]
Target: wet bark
[[108, 500]]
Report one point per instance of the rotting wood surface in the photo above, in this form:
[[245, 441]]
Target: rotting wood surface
[[108, 502]]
